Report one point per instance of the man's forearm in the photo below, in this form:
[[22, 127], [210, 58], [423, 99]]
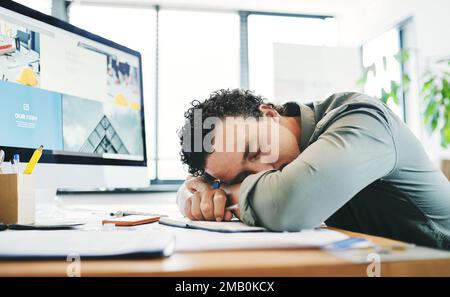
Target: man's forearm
[[322, 179]]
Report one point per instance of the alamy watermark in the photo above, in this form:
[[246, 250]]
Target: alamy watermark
[[374, 267], [233, 134], [74, 267]]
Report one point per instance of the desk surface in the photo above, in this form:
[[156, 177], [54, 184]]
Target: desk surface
[[304, 262], [308, 262]]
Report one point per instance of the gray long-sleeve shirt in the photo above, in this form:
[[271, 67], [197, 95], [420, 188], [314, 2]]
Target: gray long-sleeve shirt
[[360, 169]]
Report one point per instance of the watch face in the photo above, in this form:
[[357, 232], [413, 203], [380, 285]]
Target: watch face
[[216, 184]]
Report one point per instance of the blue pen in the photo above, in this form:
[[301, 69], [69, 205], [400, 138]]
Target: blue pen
[[345, 244], [216, 184], [15, 163]]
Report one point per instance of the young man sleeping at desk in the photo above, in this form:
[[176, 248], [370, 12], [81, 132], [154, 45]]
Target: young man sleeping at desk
[[347, 161]]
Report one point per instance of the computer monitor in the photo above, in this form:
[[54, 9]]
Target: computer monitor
[[77, 94]]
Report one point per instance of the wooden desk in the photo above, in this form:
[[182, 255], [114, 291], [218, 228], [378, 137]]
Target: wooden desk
[[234, 263]]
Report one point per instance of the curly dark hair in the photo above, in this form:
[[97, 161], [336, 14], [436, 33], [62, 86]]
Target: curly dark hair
[[222, 103]]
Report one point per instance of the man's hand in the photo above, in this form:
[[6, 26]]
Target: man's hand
[[199, 201]]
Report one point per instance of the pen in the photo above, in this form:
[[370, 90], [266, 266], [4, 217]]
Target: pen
[[216, 185], [34, 160], [2, 158], [125, 213], [15, 163], [232, 207]]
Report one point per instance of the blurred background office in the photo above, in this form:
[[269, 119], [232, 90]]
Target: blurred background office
[[302, 50]]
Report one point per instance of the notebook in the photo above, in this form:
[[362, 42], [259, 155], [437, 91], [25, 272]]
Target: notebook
[[85, 244], [227, 227]]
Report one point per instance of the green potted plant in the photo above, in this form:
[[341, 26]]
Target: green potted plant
[[436, 95], [435, 92], [397, 87]]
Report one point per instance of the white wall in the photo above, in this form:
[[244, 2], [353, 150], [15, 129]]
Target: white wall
[[309, 73], [358, 21], [431, 18], [325, 7], [428, 37]]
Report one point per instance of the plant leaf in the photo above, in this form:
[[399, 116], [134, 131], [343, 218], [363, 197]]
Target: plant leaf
[[430, 110], [394, 97], [394, 87], [445, 89], [384, 96], [402, 56], [435, 120], [406, 81], [427, 85], [445, 133]]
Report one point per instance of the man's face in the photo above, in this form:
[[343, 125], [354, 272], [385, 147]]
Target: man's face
[[248, 146]]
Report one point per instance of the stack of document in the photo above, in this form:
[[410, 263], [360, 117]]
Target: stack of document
[[200, 240], [85, 244], [197, 236]]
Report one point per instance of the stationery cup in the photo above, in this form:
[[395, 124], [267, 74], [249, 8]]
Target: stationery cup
[[17, 199]]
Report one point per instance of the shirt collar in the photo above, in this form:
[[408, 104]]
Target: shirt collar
[[308, 123]]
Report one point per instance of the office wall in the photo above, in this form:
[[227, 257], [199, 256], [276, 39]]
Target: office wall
[[377, 16], [310, 73], [427, 34], [326, 7], [358, 22]]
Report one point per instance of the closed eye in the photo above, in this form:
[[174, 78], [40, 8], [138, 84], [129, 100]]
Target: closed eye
[[239, 178], [254, 156]]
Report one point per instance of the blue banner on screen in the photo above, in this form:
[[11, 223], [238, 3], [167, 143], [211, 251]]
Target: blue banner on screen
[[30, 117]]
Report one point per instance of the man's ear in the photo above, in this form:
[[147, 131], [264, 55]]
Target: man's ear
[[268, 111]]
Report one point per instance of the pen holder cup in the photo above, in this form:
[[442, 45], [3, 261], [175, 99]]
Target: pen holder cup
[[17, 199]]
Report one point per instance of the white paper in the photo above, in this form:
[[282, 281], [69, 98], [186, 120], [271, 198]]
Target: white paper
[[192, 240], [83, 243]]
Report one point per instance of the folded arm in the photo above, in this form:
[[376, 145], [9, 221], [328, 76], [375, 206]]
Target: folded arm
[[353, 152], [197, 200]]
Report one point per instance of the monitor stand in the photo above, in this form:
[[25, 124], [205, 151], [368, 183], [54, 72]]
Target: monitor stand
[[46, 204], [45, 197]]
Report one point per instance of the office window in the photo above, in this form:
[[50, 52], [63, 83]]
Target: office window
[[198, 54], [44, 6], [136, 29], [264, 31], [380, 52]]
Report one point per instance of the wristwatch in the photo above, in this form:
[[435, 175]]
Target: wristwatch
[[216, 184]]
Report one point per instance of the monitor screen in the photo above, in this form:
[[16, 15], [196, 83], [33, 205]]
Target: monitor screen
[[75, 93]]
